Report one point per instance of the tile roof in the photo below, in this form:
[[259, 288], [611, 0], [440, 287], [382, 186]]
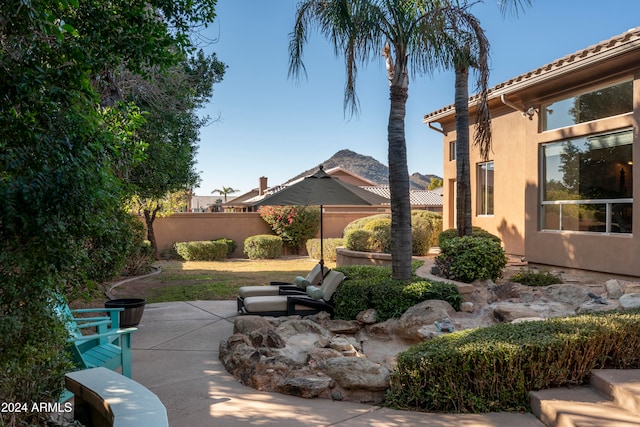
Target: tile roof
[[627, 41], [417, 197]]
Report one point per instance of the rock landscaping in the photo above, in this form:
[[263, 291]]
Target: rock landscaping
[[352, 360]]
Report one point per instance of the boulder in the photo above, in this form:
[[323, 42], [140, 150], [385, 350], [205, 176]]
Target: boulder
[[358, 373], [630, 301], [307, 386], [614, 289], [342, 326], [507, 312], [368, 317], [297, 327], [266, 337], [422, 314], [466, 307], [246, 324], [567, 294]]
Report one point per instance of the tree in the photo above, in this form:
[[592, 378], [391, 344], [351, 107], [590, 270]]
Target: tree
[[409, 34], [62, 223], [224, 191], [471, 50], [435, 183]]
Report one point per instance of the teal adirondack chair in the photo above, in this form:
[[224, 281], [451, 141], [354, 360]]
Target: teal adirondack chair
[[109, 347]]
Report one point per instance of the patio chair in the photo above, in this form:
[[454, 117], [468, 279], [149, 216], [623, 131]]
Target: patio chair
[[299, 286], [315, 300]]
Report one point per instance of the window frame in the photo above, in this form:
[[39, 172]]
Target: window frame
[[485, 204]]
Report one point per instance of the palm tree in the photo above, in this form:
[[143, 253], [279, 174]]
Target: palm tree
[[408, 33], [471, 50], [224, 191]]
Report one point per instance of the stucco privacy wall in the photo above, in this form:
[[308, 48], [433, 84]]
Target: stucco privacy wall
[[183, 227]]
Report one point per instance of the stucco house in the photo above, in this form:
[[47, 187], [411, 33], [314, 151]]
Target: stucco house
[[558, 187]]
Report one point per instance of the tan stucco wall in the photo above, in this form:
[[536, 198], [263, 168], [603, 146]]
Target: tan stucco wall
[[185, 227], [516, 152]]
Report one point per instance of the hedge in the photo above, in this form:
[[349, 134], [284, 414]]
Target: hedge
[[263, 246], [201, 250], [372, 287], [329, 247], [494, 368]]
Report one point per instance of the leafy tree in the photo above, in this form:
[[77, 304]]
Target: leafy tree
[[435, 183], [294, 224], [62, 224]]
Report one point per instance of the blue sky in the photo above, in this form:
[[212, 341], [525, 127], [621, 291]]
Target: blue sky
[[273, 126]]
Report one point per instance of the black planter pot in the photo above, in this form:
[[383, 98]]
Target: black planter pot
[[133, 309]]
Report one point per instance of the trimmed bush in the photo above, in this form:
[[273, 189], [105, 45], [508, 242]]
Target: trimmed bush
[[358, 240], [263, 246], [531, 277], [140, 259], [373, 233], [467, 258], [494, 368], [380, 229], [372, 287], [329, 248], [425, 228], [447, 235], [203, 250], [231, 245]]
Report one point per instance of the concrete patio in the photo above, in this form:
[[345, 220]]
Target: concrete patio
[[176, 356]]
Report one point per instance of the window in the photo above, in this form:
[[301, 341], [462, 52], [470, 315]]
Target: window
[[485, 189], [452, 150], [598, 104], [587, 183]]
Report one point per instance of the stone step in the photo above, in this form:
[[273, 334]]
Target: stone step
[[579, 407], [620, 385]]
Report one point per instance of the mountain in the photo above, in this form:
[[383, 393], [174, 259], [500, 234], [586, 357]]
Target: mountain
[[367, 167]]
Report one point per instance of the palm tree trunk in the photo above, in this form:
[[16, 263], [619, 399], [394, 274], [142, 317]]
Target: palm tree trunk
[[399, 184], [463, 172]]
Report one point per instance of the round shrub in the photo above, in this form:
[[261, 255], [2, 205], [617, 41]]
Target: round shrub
[[467, 258], [425, 228], [263, 246], [329, 247], [358, 224], [231, 245], [358, 240], [380, 229], [476, 232], [202, 250]]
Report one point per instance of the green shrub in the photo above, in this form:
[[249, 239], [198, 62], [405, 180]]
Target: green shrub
[[140, 259], [380, 229], [494, 368], [263, 246], [476, 232], [373, 233], [329, 247], [531, 277], [372, 287], [425, 229], [203, 250], [467, 258], [358, 240], [231, 245]]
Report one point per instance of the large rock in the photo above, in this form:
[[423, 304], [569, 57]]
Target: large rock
[[246, 324], [308, 386], [568, 294], [420, 315], [300, 327], [630, 301], [614, 289], [266, 337], [357, 373], [507, 312]]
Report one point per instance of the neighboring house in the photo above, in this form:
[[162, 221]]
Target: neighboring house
[[204, 203], [425, 200], [558, 186]]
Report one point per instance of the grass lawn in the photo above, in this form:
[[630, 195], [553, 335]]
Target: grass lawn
[[212, 280]]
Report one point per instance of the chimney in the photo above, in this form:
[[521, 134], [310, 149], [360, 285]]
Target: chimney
[[263, 186]]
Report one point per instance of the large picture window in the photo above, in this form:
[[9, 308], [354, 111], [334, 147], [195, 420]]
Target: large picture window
[[598, 104], [485, 189], [588, 184]]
